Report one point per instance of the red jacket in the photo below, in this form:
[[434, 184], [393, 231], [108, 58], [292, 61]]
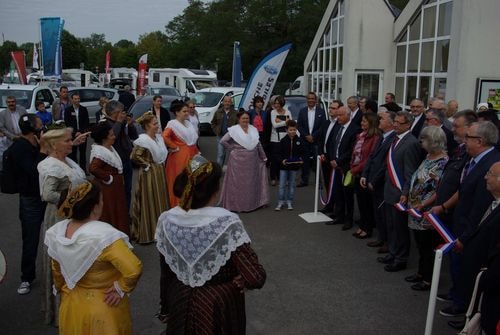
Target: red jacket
[[366, 149]]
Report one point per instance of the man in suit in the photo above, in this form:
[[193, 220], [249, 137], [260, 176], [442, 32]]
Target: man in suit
[[435, 118], [417, 109], [356, 113], [325, 147], [127, 98], [373, 176], [76, 116], [309, 124], [9, 119], [472, 198], [344, 137], [403, 159]]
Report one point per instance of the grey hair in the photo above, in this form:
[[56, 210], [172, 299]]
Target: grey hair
[[436, 139], [437, 114], [113, 106], [488, 132], [407, 115], [469, 116], [353, 97]]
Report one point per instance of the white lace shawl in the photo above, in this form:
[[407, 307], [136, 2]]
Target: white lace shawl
[[247, 140], [51, 166], [77, 254], [156, 147], [109, 157], [185, 131], [197, 243]]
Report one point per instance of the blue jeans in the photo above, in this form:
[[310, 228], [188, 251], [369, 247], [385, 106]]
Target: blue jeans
[[287, 176], [31, 212], [221, 153]]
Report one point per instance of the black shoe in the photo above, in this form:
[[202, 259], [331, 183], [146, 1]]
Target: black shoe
[[301, 184], [458, 325], [444, 297], [395, 267], [452, 310], [336, 219], [365, 236], [413, 278], [421, 286], [387, 259]]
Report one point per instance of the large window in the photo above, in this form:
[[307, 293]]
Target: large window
[[325, 70], [422, 53]]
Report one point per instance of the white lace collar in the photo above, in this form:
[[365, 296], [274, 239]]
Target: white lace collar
[[247, 140], [51, 166], [108, 156], [185, 131], [197, 243], [77, 254], [156, 147]]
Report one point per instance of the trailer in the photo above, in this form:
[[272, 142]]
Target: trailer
[[186, 81]]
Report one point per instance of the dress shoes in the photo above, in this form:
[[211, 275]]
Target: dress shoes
[[375, 244], [414, 278], [365, 236], [383, 249], [444, 297], [336, 220], [395, 267], [458, 325], [301, 184], [452, 311], [421, 286], [347, 226], [387, 259]]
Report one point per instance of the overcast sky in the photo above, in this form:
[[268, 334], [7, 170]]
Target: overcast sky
[[19, 19]]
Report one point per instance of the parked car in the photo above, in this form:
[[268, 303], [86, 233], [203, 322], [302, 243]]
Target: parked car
[[89, 98], [26, 96], [294, 103], [144, 103], [161, 90], [208, 100]]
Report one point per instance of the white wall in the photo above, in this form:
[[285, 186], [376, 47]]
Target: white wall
[[474, 48]]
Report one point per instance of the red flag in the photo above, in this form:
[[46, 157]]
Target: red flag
[[18, 58], [141, 79], [108, 61]]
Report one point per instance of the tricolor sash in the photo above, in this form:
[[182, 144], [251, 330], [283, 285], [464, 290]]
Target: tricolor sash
[[395, 177], [329, 191]]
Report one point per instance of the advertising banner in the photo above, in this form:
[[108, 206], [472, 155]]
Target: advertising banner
[[236, 81], [141, 79], [264, 76], [35, 57], [108, 61], [20, 63], [51, 28]]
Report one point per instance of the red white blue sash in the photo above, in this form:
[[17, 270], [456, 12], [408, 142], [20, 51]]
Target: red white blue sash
[[329, 191], [395, 177]]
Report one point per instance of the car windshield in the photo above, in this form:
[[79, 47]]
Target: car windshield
[[294, 105], [163, 91], [23, 97], [207, 99], [200, 83], [142, 106]]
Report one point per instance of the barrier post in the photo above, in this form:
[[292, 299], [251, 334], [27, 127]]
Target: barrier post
[[438, 259]]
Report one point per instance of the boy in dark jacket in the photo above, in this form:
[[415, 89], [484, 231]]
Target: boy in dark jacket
[[291, 149]]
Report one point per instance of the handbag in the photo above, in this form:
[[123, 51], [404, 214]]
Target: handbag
[[473, 322], [348, 179]]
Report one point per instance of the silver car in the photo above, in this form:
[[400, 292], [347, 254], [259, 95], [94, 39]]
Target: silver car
[[89, 98]]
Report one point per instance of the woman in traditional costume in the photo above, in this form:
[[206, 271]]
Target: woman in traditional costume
[[106, 166], [150, 199], [207, 261], [245, 186], [57, 173], [93, 267], [180, 137]]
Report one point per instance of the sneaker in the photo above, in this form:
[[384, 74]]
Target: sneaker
[[452, 310], [278, 207], [289, 205], [444, 297], [24, 288]]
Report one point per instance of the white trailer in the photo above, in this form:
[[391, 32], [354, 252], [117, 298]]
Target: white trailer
[[187, 81], [79, 77]]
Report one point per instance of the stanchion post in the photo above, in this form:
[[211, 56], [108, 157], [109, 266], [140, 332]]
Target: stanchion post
[[438, 259], [316, 189]]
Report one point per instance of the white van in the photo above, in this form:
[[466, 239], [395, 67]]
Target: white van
[[80, 77], [297, 88], [186, 81]]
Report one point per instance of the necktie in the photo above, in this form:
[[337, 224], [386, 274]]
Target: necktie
[[490, 209], [337, 141], [468, 168]]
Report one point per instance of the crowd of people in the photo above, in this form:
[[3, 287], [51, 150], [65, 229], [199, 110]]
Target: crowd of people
[[437, 160]]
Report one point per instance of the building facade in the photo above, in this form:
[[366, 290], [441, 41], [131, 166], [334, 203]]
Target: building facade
[[431, 48]]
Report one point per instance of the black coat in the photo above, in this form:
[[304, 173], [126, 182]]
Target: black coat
[[164, 116], [83, 119], [291, 150], [127, 99], [345, 146], [375, 167], [418, 127], [490, 308]]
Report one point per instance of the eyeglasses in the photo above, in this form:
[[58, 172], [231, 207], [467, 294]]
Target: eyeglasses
[[471, 136], [430, 118], [401, 122], [415, 106]]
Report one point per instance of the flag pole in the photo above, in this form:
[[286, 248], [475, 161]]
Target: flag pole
[[438, 259]]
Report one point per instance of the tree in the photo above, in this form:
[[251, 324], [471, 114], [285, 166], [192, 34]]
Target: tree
[[5, 58], [73, 51], [96, 47], [155, 44]]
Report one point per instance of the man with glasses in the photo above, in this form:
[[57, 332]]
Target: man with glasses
[[9, 119], [417, 109], [434, 117], [472, 199], [403, 158]]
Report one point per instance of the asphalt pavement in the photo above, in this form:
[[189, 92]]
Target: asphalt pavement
[[320, 279]]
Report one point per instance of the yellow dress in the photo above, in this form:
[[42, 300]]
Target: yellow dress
[[83, 310]]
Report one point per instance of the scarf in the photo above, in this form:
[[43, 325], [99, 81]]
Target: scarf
[[247, 140], [185, 131], [51, 166], [156, 147]]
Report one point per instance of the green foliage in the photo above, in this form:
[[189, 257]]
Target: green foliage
[[155, 44], [5, 58], [73, 51]]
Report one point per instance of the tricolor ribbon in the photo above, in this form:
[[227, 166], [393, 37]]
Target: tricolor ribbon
[[396, 180], [329, 192], [400, 207]]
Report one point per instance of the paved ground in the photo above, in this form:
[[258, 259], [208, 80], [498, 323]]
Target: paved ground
[[320, 280]]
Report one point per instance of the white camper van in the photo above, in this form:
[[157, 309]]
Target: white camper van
[[186, 81], [297, 88], [79, 77]]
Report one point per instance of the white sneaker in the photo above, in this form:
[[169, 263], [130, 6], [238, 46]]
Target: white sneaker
[[24, 288], [289, 205], [278, 207]]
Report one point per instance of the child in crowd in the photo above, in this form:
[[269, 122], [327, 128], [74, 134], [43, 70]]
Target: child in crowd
[[291, 149], [42, 113]]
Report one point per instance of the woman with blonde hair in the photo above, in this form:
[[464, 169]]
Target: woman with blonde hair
[[57, 173], [101, 114], [150, 198], [93, 267]]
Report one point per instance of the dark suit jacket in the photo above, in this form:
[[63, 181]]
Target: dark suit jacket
[[346, 145], [374, 170], [127, 99], [303, 123], [490, 308], [164, 117], [322, 139], [406, 157], [357, 118], [418, 127], [83, 119], [473, 198], [451, 144]]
